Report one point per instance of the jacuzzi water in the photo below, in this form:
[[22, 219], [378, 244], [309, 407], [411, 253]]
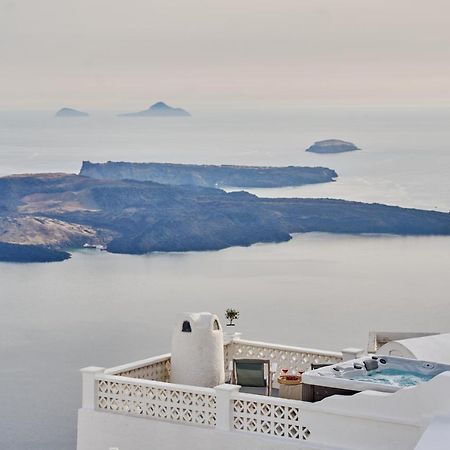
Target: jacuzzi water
[[394, 377], [379, 373]]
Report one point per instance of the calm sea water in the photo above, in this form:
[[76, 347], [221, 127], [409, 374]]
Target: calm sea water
[[318, 290], [405, 158]]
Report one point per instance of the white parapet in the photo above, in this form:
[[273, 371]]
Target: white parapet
[[224, 418], [100, 431], [436, 436], [89, 388], [156, 368], [428, 348], [413, 405], [133, 406], [350, 353]]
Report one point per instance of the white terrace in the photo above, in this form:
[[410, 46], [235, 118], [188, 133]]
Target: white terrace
[[134, 406]]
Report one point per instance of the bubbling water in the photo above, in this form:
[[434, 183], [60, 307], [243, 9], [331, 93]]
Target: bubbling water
[[394, 377]]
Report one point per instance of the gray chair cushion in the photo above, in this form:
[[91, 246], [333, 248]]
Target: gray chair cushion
[[250, 374]]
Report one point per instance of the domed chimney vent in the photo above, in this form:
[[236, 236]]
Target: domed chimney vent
[[197, 350]]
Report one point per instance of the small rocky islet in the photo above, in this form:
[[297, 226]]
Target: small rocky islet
[[70, 112], [159, 109], [332, 146]]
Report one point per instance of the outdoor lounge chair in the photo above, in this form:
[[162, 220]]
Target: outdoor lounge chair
[[253, 373]]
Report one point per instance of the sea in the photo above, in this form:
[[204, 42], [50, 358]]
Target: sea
[[318, 290]]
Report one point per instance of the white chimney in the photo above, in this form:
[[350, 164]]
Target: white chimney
[[197, 350]]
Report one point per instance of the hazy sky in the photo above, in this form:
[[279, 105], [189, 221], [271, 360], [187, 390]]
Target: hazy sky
[[125, 54]]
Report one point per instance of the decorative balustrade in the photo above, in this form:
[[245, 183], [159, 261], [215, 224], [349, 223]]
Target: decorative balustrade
[[156, 369], [143, 389], [156, 400], [193, 405], [292, 358], [270, 416]]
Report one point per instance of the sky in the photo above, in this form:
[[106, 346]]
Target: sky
[[126, 54]]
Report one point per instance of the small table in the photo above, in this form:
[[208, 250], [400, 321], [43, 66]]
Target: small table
[[291, 389]]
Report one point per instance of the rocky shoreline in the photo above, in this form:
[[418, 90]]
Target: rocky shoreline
[[21, 253], [209, 175], [42, 215]]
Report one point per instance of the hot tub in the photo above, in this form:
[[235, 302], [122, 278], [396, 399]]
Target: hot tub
[[377, 373]]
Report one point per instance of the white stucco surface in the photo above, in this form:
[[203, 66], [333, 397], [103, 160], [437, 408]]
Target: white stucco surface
[[436, 436], [103, 431], [434, 348], [197, 356], [414, 405], [133, 407]]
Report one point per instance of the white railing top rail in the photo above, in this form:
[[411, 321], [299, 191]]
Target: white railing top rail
[[272, 400], [157, 384], [137, 364], [161, 358], [289, 348]]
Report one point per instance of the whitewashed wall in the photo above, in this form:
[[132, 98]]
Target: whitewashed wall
[[230, 419], [105, 431], [132, 407]]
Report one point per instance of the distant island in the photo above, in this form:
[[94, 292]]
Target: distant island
[[43, 215], [30, 253], [209, 175], [159, 109], [332, 146], [70, 112]]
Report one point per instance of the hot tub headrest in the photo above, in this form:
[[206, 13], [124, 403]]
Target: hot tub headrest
[[370, 364]]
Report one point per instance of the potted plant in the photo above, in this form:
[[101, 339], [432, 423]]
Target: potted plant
[[231, 314]]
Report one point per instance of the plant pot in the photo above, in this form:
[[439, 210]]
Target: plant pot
[[230, 331]]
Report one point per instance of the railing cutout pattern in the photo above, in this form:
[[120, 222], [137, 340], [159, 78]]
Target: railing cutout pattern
[[268, 417], [157, 371], [292, 359], [142, 389], [169, 402]]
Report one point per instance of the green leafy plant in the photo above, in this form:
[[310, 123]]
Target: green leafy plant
[[231, 314]]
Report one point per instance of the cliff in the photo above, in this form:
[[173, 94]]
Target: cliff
[[140, 217], [209, 175]]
